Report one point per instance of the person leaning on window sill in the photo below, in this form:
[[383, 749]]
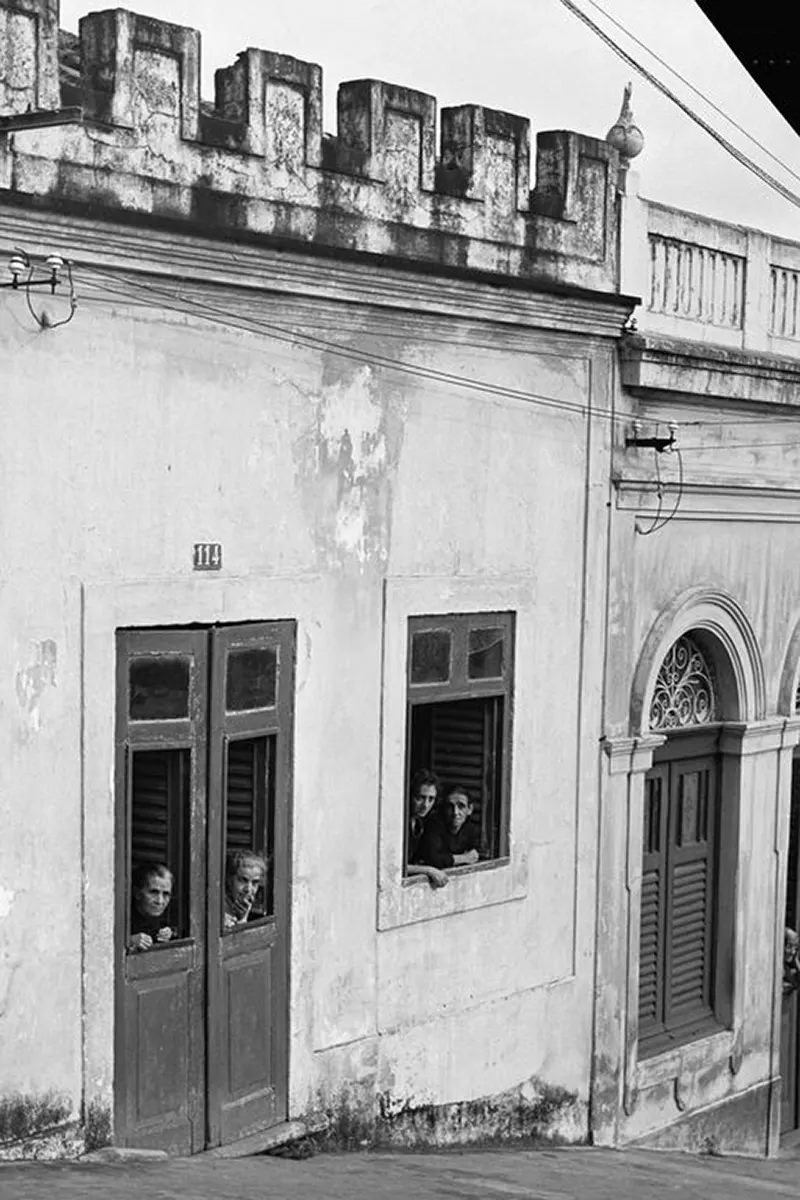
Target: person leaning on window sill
[[449, 838], [424, 792]]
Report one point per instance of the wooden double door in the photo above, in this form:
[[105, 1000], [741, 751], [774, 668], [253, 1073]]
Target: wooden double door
[[203, 770]]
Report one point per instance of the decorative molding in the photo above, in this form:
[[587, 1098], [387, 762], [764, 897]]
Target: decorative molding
[[631, 756], [671, 366], [758, 737], [259, 265], [712, 610], [732, 500], [789, 689]]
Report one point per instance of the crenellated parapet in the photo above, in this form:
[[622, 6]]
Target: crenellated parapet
[[115, 119]]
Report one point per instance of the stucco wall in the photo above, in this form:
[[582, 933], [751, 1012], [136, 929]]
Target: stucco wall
[[347, 495]]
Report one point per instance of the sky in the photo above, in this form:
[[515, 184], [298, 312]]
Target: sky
[[536, 59]]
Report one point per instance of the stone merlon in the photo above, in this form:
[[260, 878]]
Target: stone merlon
[[113, 119]]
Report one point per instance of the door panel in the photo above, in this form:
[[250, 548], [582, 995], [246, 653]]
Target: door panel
[[250, 1095], [249, 768], [161, 781], [159, 1041]]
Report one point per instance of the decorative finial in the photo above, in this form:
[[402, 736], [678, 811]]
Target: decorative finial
[[625, 135]]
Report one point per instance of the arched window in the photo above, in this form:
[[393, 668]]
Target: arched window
[[677, 1001]]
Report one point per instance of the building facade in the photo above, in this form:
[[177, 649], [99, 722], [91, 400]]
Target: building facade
[[321, 467]]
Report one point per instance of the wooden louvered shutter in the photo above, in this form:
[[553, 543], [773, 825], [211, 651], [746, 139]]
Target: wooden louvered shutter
[[653, 903], [792, 897], [245, 808], [461, 750], [690, 893], [150, 815]]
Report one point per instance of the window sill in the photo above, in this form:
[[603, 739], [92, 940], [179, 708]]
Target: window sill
[[406, 900], [490, 864], [658, 1062]]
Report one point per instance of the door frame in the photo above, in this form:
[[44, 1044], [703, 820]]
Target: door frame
[[206, 1128]]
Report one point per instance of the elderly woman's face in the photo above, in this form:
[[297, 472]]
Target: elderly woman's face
[[244, 884], [154, 896]]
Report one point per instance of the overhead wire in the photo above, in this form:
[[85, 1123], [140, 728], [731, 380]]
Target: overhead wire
[[687, 83], [733, 150], [154, 296], [292, 335]]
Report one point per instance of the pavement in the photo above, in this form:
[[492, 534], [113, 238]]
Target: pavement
[[553, 1174]]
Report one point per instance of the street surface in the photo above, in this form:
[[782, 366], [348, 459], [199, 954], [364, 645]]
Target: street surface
[[568, 1174]]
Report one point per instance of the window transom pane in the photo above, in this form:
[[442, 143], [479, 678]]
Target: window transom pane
[[685, 691]]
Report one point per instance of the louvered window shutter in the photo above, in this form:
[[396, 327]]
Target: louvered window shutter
[[464, 752]]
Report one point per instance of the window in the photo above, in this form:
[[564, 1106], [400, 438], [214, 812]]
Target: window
[[681, 836], [459, 697]]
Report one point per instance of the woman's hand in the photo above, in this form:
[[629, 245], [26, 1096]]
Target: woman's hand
[[436, 878], [140, 941], [466, 859]]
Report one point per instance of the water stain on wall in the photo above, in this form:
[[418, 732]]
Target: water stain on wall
[[31, 683], [345, 461]]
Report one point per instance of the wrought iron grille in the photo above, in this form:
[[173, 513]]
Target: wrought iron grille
[[685, 691]]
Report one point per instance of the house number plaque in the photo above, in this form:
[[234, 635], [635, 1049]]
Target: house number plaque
[[207, 556]]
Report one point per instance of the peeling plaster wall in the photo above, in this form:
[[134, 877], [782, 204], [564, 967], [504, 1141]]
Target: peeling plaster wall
[[140, 433]]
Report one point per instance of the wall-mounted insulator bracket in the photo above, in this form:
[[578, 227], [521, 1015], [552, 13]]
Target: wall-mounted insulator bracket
[[652, 443]]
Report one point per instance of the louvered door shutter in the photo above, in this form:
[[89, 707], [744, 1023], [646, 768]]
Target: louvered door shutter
[[654, 874], [690, 888], [150, 808], [246, 769]]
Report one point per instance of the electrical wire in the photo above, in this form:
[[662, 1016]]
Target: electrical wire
[[42, 319], [155, 296], [171, 300], [739, 155], [721, 112], [293, 336], [659, 522]]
